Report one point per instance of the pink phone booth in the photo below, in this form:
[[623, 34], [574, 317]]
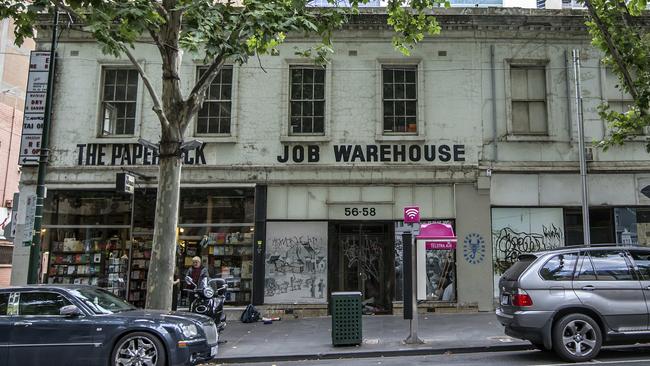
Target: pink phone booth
[[436, 236]]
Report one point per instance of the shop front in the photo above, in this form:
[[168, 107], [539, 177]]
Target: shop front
[[103, 238], [352, 241]]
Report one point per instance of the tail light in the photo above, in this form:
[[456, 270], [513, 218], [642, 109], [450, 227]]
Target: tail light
[[521, 298]]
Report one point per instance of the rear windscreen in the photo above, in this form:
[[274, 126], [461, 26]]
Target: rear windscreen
[[513, 273]]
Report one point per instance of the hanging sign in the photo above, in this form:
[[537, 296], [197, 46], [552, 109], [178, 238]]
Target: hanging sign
[[30, 143]]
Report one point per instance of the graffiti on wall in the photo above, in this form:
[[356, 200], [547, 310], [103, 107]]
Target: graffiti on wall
[[366, 253], [510, 244], [296, 263]]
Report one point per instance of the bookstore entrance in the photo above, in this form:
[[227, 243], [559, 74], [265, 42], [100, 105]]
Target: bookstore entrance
[[89, 238]]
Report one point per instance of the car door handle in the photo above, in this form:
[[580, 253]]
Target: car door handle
[[589, 288], [24, 324]]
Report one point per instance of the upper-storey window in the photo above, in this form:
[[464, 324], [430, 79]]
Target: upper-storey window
[[215, 115], [400, 99], [307, 100], [119, 101], [528, 98]]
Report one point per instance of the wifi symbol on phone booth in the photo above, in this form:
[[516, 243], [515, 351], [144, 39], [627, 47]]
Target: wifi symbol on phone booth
[[411, 214]]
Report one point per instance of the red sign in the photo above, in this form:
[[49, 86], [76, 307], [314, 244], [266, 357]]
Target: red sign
[[411, 215], [440, 245]]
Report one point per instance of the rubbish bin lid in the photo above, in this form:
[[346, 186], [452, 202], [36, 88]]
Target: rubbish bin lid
[[347, 293]]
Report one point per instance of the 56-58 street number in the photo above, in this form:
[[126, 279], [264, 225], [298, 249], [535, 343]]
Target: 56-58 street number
[[366, 211]]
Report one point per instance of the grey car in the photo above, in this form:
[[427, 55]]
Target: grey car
[[576, 299]]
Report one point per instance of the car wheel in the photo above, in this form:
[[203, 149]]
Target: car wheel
[[138, 349], [577, 338]]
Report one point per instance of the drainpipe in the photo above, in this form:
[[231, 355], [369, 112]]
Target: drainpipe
[[495, 153], [568, 92]]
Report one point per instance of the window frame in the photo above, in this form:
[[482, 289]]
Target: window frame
[[220, 137], [285, 99], [313, 99], [420, 134], [527, 63], [604, 92], [103, 67]]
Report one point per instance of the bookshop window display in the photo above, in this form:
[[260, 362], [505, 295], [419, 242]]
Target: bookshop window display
[[86, 235], [218, 226]]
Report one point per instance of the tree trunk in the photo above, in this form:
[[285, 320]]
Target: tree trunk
[[163, 254]]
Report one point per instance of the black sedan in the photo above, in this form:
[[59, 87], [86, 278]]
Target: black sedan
[[83, 325]]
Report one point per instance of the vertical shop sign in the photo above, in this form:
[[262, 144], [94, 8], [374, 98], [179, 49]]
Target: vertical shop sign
[[30, 143]]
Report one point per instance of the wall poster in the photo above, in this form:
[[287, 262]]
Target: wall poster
[[296, 262]]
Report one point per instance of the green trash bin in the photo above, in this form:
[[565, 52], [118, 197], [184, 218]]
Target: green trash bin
[[346, 318]]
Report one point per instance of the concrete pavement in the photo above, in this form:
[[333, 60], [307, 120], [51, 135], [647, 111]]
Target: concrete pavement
[[310, 338]]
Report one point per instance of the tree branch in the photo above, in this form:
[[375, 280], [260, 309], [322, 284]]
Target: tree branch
[[157, 106], [612, 49], [160, 9]]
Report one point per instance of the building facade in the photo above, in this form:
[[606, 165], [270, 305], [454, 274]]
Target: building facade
[[14, 63], [300, 186]]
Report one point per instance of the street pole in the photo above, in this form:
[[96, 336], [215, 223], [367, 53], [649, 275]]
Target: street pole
[[35, 249], [413, 328], [581, 153]]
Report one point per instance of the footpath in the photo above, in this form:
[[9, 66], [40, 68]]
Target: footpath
[[383, 336]]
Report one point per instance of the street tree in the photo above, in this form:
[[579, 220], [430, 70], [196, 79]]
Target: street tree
[[220, 31], [618, 30]]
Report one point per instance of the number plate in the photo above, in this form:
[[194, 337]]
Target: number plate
[[505, 300], [213, 351]]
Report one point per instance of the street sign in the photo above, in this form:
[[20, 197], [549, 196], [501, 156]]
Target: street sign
[[125, 183], [30, 217], [34, 116], [411, 214]]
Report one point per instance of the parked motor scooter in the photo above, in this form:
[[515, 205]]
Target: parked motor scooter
[[208, 299]]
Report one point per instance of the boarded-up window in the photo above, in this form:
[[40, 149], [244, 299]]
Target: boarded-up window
[[528, 94]]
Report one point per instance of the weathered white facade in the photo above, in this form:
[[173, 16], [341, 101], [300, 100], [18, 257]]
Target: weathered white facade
[[477, 165]]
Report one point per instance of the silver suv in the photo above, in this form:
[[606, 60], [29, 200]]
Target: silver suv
[[575, 299]]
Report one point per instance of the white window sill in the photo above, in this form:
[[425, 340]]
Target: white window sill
[[528, 138], [115, 140], [397, 138], [309, 138], [213, 138]]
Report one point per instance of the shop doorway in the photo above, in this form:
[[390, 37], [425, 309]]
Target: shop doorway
[[362, 259]]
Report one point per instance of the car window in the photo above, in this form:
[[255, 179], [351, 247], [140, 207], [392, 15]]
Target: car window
[[41, 303], [642, 260], [559, 268], [4, 302], [585, 270], [513, 273], [101, 301], [610, 266]]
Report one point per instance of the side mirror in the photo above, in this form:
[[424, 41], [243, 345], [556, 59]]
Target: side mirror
[[189, 281], [70, 311]]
